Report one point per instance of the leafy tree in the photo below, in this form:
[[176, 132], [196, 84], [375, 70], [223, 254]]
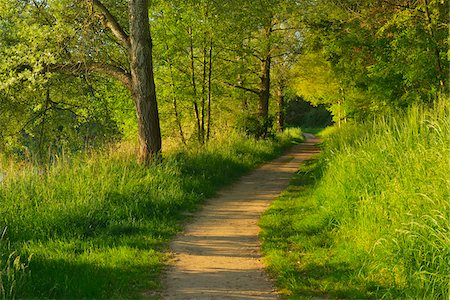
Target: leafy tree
[[84, 37], [266, 31]]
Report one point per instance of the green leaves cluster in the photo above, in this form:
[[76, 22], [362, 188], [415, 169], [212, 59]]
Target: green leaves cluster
[[47, 99]]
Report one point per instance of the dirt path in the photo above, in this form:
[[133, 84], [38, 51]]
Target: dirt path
[[217, 256]]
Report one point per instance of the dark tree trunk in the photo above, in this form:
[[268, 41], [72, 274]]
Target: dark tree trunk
[[280, 108], [441, 74], [42, 132], [264, 94], [142, 82], [264, 90]]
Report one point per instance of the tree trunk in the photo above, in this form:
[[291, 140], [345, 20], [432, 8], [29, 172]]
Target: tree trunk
[[42, 132], [209, 89], [441, 75], [264, 95], [280, 107], [264, 90], [142, 82], [194, 85], [174, 99], [175, 107], [204, 86]]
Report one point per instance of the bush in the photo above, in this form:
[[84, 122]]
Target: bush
[[255, 126]]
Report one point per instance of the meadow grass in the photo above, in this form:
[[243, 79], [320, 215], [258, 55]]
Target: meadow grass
[[98, 225], [371, 218]]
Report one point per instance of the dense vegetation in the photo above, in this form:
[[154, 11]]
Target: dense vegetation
[[97, 226], [66, 79], [371, 218], [81, 79]]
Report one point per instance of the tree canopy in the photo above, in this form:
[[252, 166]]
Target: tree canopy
[[81, 71]]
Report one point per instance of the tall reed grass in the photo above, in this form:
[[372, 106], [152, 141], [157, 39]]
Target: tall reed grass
[[98, 224], [385, 187], [371, 218]]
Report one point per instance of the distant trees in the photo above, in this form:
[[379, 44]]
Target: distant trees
[[205, 49], [266, 33], [377, 55], [185, 33]]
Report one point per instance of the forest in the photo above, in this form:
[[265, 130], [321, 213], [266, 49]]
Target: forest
[[119, 118]]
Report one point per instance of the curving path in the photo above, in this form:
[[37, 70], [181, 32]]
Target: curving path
[[217, 256]]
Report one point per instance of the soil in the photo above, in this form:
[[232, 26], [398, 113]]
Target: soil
[[218, 254]]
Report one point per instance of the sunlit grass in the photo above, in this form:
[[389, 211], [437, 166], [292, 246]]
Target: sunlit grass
[[376, 222], [97, 225]]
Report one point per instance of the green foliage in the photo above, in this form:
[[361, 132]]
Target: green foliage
[[376, 223], [301, 113], [292, 135], [255, 126], [68, 115], [368, 57], [98, 225], [48, 101]]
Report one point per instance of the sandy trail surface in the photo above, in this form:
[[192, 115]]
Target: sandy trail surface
[[217, 256]]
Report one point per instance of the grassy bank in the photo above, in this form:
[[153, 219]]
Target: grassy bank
[[371, 218], [98, 226]]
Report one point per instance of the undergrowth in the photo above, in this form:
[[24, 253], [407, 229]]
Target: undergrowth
[[375, 222], [97, 226]]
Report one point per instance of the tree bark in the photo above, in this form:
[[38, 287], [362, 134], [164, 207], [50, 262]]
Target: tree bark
[[175, 107], [142, 82], [437, 55], [209, 89], [264, 92], [204, 86], [194, 85], [280, 107]]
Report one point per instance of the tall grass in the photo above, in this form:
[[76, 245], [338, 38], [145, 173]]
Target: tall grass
[[382, 202], [13, 270], [386, 185], [98, 225]]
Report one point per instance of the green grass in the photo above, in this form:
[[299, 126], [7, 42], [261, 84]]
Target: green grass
[[98, 226], [371, 218], [313, 130]]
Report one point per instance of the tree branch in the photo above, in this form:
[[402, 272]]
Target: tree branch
[[257, 92], [76, 68], [112, 24], [285, 29]]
